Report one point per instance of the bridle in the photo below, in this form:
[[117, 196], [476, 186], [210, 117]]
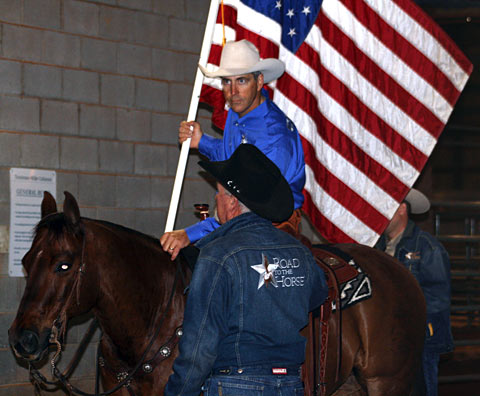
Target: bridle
[[124, 378]]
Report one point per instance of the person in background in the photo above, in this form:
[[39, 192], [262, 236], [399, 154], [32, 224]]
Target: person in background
[[251, 291], [428, 261], [252, 118]]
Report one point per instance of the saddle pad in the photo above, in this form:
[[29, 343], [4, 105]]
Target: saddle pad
[[354, 290]]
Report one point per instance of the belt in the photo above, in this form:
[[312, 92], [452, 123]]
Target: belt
[[258, 370]]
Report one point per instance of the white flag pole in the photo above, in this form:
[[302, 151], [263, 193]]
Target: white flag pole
[[192, 112]]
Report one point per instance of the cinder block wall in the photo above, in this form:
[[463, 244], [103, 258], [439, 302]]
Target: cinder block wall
[[95, 90]]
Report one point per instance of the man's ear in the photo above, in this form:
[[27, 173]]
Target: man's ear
[[233, 201], [233, 206], [260, 82]]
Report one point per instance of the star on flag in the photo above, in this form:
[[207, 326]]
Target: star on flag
[[306, 10]]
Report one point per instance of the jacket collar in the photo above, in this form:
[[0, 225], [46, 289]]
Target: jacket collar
[[408, 232], [243, 220]]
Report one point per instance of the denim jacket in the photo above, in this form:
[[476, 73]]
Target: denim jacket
[[428, 261], [236, 318]]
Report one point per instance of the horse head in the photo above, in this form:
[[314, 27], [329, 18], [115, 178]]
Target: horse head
[[54, 269]]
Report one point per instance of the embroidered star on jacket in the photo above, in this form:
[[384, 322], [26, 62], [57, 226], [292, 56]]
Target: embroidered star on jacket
[[266, 272]]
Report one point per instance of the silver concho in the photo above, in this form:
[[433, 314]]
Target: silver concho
[[179, 332], [122, 376], [331, 261], [165, 351], [147, 367], [290, 125]]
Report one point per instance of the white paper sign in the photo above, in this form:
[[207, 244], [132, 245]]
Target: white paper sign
[[26, 194]]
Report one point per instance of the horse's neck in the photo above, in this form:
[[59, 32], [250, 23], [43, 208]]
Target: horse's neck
[[135, 283]]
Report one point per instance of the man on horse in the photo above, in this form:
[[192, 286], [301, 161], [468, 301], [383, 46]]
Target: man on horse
[[428, 261], [253, 118], [251, 290]]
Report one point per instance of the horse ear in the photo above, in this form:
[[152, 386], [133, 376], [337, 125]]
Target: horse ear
[[49, 205], [70, 208]]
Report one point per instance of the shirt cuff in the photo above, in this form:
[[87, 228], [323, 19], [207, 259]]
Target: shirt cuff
[[197, 231]]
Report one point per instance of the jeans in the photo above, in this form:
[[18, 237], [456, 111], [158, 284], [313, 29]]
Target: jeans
[[253, 385], [430, 372]]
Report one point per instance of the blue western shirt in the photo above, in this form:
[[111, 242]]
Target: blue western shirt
[[268, 128], [233, 317]]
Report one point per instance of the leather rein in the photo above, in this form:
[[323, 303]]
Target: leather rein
[[124, 378], [337, 271], [320, 383]]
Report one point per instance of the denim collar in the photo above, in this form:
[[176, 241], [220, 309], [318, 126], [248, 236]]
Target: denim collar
[[408, 232], [243, 220]]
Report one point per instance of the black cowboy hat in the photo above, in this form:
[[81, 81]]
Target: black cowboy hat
[[256, 181]]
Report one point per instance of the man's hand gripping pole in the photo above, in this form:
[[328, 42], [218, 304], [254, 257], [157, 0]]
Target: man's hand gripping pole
[[192, 112]]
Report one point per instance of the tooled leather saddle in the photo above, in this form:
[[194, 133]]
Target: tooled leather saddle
[[336, 265]]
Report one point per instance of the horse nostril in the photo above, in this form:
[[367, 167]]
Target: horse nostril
[[29, 341]]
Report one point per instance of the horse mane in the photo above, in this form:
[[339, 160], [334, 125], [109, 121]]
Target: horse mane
[[148, 238], [57, 224]]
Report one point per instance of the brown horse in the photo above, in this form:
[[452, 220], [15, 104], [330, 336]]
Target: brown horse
[[136, 292]]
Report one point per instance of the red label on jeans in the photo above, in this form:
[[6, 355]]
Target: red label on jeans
[[277, 370]]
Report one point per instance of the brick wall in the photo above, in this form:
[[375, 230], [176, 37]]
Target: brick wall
[[95, 90]]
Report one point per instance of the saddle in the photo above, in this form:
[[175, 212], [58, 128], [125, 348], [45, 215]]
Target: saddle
[[337, 271]]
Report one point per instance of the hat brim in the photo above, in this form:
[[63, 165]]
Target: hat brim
[[276, 206], [419, 203], [270, 68]]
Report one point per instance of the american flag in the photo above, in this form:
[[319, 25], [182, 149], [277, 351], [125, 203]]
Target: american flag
[[370, 85]]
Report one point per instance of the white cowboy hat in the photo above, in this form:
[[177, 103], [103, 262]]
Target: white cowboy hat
[[242, 57], [419, 203]]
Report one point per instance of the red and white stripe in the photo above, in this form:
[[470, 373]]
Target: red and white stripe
[[370, 90]]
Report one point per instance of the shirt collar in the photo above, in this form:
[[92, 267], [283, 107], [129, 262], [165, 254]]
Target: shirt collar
[[258, 112], [391, 244]]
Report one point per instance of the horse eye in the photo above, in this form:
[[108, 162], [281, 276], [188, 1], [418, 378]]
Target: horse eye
[[62, 267]]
